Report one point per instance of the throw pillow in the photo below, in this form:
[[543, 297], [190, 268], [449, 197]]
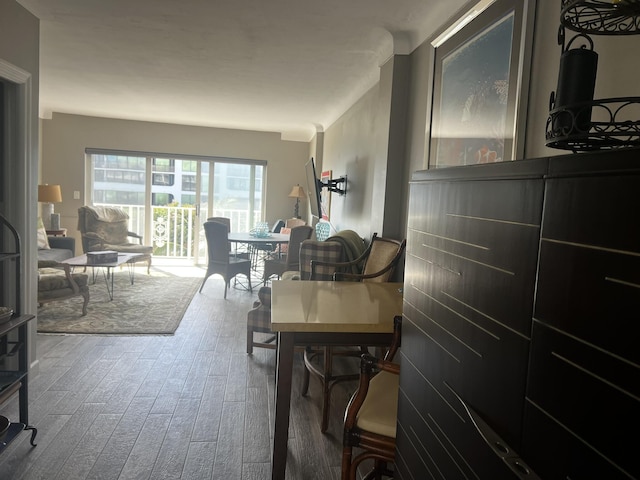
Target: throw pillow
[[43, 241]]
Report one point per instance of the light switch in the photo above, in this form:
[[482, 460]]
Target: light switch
[[76, 195]]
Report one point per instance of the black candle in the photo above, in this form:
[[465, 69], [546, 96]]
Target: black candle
[[576, 84]]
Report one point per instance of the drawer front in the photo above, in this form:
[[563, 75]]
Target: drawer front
[[468, 303], [582, 411]]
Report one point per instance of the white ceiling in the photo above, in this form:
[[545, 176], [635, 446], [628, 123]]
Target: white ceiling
[[289, 66]]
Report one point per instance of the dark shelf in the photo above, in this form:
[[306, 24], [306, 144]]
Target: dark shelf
[[601, 17], [608, 129]]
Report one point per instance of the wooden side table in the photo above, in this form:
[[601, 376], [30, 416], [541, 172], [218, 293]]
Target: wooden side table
[[62, 232]]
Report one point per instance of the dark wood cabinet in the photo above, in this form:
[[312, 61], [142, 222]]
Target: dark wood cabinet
[[522, 308]]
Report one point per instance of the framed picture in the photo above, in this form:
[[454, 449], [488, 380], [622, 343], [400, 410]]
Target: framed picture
[[325, 195], [478, 85]]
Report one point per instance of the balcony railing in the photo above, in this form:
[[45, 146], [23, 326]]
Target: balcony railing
[[173, 228]]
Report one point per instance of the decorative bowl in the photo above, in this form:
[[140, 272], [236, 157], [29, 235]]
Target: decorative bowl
[[5, 313]]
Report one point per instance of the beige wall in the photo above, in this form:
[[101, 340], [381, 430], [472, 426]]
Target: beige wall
[[65, 138]]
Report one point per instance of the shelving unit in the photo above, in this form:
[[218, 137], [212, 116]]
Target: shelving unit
[[14, 366], [613, 125]]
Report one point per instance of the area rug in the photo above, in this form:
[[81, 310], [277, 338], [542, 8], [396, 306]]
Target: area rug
[[153, 305]]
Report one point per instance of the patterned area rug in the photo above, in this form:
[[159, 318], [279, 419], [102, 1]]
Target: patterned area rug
[[153, 305]]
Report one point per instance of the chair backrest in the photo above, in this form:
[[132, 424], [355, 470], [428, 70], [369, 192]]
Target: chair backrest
[[384, 255], [225, 220], [217, 235], [277, 226], [296, 237], [109, 223], [294, 222], [324, 251]]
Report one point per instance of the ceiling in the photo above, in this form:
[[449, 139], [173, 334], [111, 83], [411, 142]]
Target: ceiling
[[288, 66]]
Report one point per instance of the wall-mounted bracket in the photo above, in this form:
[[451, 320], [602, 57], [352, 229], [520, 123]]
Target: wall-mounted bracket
[[333, 185]]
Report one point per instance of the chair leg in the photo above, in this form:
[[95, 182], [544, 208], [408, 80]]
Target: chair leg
[[249, 341], [326, 389], [347, 455], [203, 282]]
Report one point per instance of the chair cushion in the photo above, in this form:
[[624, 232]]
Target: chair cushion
[[379, 412], [54, 279]]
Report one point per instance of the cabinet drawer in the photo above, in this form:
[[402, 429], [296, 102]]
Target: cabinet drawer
[[592, 294], [488, 373], [582, 410], [599, 211], [439, 439]]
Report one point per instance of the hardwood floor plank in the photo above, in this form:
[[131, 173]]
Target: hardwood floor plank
[[199, 462], [228, 461], [210, 411], [79, 463], [257, 442], [145, 451], [118, 448], [175, 446]]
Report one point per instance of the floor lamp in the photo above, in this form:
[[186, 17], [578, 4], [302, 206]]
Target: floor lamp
[[48, 195]]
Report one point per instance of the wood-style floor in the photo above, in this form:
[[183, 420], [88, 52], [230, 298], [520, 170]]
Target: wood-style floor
[[189, 406]]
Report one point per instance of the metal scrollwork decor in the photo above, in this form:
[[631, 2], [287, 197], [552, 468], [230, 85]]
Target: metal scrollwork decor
[[576, 121]]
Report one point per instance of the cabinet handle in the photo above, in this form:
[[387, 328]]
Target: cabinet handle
[[493, 440]]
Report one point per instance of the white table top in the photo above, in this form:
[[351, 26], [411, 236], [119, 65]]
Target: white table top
[[245, 237], [309, 306]]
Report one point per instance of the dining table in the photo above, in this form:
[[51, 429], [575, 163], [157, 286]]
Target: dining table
[[323, 313]]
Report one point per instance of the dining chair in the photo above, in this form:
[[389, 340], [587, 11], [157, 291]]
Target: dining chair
[[219, 261], [378, 262], [277, 266], [371, 415]]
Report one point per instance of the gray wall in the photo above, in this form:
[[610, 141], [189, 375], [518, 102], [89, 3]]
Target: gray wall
[[19, 72], [355, 143]]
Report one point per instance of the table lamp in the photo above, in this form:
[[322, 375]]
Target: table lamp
[[48, 195], [297, 192]]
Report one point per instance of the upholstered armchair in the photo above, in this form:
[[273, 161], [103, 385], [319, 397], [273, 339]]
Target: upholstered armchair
[[107, 228], [56, 282]]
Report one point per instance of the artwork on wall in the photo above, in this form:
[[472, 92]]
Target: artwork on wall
[[325, 195], [478, 84]]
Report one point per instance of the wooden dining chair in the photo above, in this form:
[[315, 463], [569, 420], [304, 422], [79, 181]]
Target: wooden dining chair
[[378, 265], [219, 261], [371, 416]]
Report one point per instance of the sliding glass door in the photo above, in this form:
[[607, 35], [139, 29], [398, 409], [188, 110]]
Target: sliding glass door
[[168, 198]]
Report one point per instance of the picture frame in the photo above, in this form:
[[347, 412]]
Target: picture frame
[[325, 195], [479, 90]]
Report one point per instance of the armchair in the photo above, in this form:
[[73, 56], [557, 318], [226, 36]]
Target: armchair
[[56, 282], [107, 228], [378, 263], [371, 415]]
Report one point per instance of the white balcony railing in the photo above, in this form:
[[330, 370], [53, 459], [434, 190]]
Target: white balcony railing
[[172, 228]]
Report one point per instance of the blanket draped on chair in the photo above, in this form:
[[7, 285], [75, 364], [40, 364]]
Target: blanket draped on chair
[[352, 246]]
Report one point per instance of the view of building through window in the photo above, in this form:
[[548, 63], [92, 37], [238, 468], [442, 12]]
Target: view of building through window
[[165, 194]]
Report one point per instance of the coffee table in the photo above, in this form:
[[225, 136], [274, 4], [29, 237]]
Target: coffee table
[[128, 259]]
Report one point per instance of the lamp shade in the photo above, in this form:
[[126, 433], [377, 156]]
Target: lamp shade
[[49, 193], [297, 192]]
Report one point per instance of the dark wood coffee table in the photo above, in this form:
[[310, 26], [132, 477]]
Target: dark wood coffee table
[[128, 259]]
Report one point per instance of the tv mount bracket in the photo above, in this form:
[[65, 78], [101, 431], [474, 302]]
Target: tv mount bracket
[[333, 185]]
